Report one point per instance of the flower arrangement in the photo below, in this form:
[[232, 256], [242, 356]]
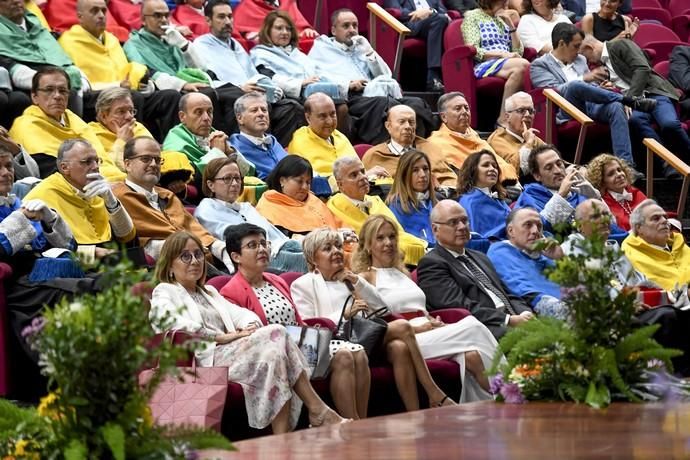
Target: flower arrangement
[[91, 349], [596, 354]]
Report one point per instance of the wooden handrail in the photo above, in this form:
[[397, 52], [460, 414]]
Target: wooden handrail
[[552, 97], [376, 12], [575, 113], [317, 15], [388, 18], [654, 147]]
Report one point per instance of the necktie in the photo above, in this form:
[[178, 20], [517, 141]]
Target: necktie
[[486, 282]]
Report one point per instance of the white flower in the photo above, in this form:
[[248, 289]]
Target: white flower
[[594, 264], [76, 306]]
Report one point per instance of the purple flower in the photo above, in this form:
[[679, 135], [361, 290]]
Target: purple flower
[[573, 291], [495, 383], [35, 327], [511, 393]]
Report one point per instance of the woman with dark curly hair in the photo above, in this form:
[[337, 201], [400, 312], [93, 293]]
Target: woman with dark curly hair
[[482, 195], [537, 23], [613, 178]]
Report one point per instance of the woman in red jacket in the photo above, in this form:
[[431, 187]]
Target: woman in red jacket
[[268, 296], [613, 177]]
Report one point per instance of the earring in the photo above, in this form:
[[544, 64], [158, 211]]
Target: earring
[[171, 275]]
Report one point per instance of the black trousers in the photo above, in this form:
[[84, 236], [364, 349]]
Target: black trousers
[[431, 30], [672, 333], [12, 104], [368, 115]]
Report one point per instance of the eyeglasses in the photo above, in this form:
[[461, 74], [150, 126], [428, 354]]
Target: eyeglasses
[[147, 159], [454, 222], [89, 161], [186, 256], [123, 112], [158, 16], [254, 245], [50, 90], [227, 180], [524, 110]]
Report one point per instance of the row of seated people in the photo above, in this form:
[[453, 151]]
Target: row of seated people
[[619, 70], [271, 164], [382, 280], [142, 157], [158, 64]]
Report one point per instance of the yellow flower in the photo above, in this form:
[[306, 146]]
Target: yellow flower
[[148, 417], [21, 450], [46, 407]]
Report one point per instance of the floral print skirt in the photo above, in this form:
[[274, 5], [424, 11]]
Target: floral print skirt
[[267, 364]]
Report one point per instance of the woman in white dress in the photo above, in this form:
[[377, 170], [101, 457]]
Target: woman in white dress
[[264, 360], [323, 292], [467, 342]]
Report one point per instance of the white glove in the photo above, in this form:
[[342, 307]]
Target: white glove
[[98, 186], [173, 37], [47, 214], [362, 44], [587, 189]]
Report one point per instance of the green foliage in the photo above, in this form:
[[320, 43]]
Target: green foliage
[[92, 349], [596, 354]]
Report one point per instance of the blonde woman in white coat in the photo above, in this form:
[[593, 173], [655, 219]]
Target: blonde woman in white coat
[[264, 360]]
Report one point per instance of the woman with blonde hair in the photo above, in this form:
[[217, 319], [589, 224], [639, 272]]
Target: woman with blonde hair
[[264, 360], [613, 178], [467, 342], [325, 290], [412, 195]]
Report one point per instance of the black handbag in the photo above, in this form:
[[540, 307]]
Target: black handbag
[[367, 331]]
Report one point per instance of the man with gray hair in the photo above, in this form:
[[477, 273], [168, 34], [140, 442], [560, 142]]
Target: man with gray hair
[[522, 267], [517, 138], [233, 73], [352, 205], [83, 198], [457, 140], [452, 275], [253, 119], [661, 255]]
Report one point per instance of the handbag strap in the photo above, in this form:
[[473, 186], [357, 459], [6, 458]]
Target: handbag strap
[[342, 313], [380, 313]]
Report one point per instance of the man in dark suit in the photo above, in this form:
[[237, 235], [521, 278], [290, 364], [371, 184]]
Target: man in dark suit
[[452, 276], [630, 72], [427, 19]]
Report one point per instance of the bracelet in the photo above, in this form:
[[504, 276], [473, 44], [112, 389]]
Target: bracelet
[[511, 31]]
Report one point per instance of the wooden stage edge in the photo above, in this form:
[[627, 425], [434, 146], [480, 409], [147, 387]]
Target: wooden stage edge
[[490, 430]]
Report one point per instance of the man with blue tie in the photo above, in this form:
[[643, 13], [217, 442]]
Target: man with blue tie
[[426, 19]]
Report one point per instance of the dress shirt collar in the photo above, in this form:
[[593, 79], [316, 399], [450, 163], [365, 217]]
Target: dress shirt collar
[[7, 200], [455, 254], [488, 192], [151, 197], [234, 206], [516, 136], [620, 197], [398, 149], [263, 142]]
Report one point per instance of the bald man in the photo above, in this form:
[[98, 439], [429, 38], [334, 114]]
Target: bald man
[[453, 276], [100, 57], [196, 137], [401, 124]]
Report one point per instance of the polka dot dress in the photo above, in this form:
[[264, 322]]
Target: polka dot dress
[[279, 310]]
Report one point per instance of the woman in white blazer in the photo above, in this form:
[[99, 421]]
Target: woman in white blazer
[[264, 360]]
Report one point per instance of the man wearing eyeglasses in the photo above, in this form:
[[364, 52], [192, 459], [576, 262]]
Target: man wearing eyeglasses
[[83, 198], [100, 57], [590, 91], [453, 276], [157, 213], [514, 141], [46, 124], [26, 46]]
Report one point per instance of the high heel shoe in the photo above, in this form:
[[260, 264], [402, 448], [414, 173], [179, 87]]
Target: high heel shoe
[[327, 417], [445, 401]]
